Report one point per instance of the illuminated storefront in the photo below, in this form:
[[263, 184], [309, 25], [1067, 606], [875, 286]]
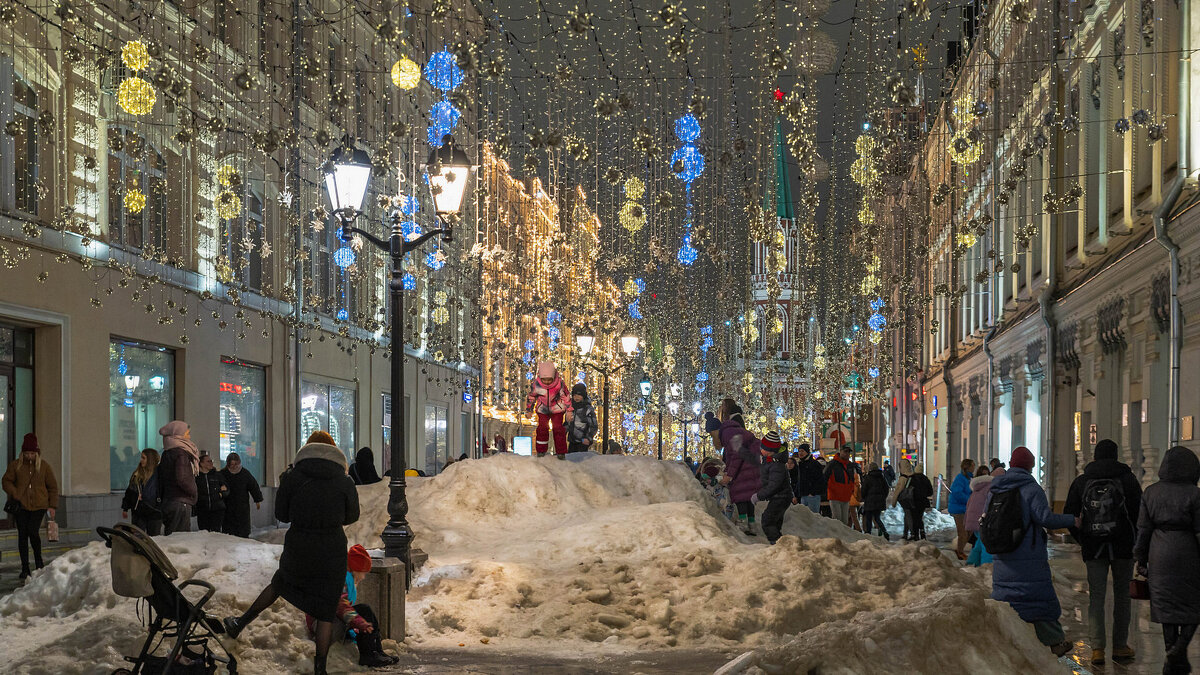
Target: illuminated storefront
[[243, 413], [141, 385]]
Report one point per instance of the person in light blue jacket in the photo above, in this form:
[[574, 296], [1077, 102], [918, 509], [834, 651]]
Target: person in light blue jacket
[[1022, 577], [960, 493]]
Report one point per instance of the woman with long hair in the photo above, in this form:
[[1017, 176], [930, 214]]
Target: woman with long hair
[[31, 485], [141, 497]]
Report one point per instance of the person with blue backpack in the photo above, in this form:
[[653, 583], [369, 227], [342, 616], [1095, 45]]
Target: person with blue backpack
[[1013, 529], [1107, 499]]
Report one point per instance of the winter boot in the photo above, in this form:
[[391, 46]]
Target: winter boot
[[1097, 657], [1121, 654], [370, 651], [558, 455], [750, 529], [319, 665], [1062, 648], [233, 626], [25, 573]]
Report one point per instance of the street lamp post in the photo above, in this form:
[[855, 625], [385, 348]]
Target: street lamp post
[[346, 182], [587, 342]]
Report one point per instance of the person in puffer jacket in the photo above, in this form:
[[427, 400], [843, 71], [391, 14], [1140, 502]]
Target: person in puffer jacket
[[581, 418], [1022, 577], [776, 488], [960, 493], [548, 397], [211, 492], [981, 487], [741, 457]]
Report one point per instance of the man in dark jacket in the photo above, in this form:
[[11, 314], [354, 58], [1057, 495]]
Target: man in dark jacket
[[776, 486], [874, 499], [810, 479], [889, 473], [242, 486], [177, 471], [1107, 498], [211, 491]]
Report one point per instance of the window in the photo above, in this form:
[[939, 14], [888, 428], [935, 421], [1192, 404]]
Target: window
[[134, 163], [25, 146], [387, 428], [141, 385], [242, 239], [467, 436], [437, 448], [329, 408], [243, 414]]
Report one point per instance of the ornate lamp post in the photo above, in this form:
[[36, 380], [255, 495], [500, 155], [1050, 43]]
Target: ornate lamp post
[[449, 170], [629, 345]]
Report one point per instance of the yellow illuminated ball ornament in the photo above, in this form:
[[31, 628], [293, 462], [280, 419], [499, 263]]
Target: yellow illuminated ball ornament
[[227, 175], [634, 188], [136, 96], [134, 200], [135, 56], [405, 73], [229, 205]]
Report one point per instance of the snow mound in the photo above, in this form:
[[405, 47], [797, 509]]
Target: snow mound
[[67, 619], [930, 635], [607, 553]]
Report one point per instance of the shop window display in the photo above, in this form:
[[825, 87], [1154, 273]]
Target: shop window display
[[243, 414], [437, 446], [141, 386], [329, 408]]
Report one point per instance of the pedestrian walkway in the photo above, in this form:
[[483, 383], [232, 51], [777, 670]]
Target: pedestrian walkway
[[490, 661]]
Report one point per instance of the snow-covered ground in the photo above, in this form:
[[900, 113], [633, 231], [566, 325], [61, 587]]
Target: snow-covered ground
[[604, 554]]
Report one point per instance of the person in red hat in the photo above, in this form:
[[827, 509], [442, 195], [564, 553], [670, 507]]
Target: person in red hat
[[1021, 575], [361, 625], [32, 492]]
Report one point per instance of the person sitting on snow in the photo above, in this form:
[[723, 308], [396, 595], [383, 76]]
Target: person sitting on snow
[[361, 626]]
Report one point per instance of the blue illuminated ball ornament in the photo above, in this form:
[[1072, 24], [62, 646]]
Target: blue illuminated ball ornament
[[693, 163], [342, 315], [529, 345], [443, 72], [408, 282], [702, 376], [877, 322], [410, 229], [687, 128], [634, 311], [409, 205], [344, 257], [877, 304], [641, 284], [873, 372], [433, 262], [443, 117], [779, 411], [529, 376], [553, 316], [687, 253]]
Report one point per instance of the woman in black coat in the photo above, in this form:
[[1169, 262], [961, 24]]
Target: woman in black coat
[[211, 491], [874, 499], [1167, 551], [318, 499], [922, 492], [242, 486]]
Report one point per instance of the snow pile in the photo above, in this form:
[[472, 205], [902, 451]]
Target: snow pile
[[939, 526], [68, 620], [546, 556], [937, 633]]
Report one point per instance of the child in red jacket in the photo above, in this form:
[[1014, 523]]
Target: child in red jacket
[[361, 626], [550, 399]]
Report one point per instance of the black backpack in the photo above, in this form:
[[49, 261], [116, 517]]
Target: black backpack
[[1103, 508], [1002, 527]]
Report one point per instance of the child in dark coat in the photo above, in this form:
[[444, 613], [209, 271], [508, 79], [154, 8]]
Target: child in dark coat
[[776, 488], [358, 619]]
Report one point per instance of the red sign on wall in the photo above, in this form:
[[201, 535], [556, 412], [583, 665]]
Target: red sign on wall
[[231, 388]]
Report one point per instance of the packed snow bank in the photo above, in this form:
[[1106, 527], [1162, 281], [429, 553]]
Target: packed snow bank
[[67, 619], [934, 634], [545, 556]]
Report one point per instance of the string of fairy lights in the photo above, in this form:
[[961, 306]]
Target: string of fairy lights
[[635, 154]]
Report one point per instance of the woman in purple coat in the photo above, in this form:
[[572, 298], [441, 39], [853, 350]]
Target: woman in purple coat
[[740, 453]]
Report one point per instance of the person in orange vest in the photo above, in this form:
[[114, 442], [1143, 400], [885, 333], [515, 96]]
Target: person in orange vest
[[839, 476]]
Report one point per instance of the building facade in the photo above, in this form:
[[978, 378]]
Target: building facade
[[1048, 321], [224, 298]]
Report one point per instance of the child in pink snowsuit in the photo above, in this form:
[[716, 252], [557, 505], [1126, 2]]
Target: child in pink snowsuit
[[550, 398]]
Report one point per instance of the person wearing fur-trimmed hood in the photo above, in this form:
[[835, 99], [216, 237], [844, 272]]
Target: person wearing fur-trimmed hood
[[318, 498]]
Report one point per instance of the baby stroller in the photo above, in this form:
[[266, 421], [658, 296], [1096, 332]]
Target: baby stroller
[[140, 569]]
